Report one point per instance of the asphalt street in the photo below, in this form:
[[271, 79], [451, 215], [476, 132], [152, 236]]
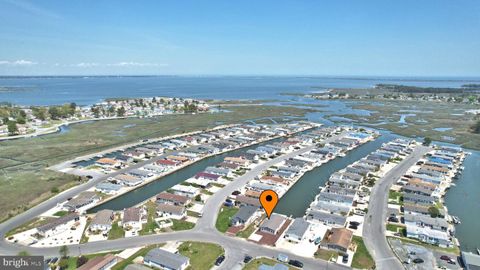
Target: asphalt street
[[374, 226], [204, 231]]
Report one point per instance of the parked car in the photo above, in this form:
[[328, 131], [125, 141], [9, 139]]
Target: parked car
[[345, 258], [445, 258], [282, 257], [296, 263], [393, 219], [247, 259], [418, 260], [220, 260]]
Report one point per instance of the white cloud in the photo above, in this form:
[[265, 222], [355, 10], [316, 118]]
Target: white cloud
[[119, 64], [86, 64], [17, 63], [138, 64]]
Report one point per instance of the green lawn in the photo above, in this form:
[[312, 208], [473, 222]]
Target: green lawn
[[116, 232], [182, 225], [151, 225], [325, 254], [224, 216], [60, 213], [397, 228], [245, 233], [142, 252], [202, 255], [454, 250], [72, 261], [25, 181], [362, 258], [254, 264]]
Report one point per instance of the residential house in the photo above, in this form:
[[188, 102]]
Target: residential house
[[165, 197], [108, 163], [297, 231], [273, 225], [128, 180], [170, 211], [82, 200], [133, 218], [325, 218], [58, 225], [163, 259], [102, 221], [188, 191], [338, 239], [219, 171], [100, 263], [245, 215]]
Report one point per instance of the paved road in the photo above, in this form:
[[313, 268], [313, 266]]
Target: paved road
[[204, 231], [374, 227]]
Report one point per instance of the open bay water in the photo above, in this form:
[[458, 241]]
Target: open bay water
[[463, 200], [89, 90]]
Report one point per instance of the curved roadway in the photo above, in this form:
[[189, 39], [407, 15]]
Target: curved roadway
[[204, 231], [374, 226]]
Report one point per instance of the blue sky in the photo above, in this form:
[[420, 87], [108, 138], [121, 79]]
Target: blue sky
[[385, 38]]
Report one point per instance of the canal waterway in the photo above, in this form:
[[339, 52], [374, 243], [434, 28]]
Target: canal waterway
[[147, 191], [298, 198], [463, 200]]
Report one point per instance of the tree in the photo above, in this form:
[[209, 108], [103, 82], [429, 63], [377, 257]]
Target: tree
[[12, 127], [54, 112], [121, 112], [433, 211], [63, 264], [81, 261], [198, 198], [427, 141], [63, 251]]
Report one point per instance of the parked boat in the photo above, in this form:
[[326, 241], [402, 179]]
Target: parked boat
[[456, 220]]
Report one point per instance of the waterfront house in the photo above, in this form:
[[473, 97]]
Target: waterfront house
[[273, 224], [108, 188], [418, 199], [154, 168], [219, 171], [244, 216], [418, 209], [325, 218], [237, 160], [274, 180], [133, 218], [128, 180], [259, 154], [428, 235], [437, 180], [187, 191], [230, 166], [142, 174], [102, 221], [58, 225], [207, 176], [100, 263], [170, 211], [418, 189], [297, 231], [82, 200], [165, 197], [338, 239], [343, 200], [245, 200], [167, 163], [178, 158], [162, 259], [439, 224], [330, 208], [282, 174], [340, 190]]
